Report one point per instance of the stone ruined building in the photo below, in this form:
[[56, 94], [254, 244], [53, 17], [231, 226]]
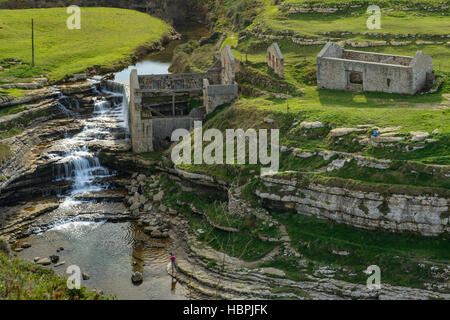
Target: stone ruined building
[[340, 69], [275, 59], [160, 104]]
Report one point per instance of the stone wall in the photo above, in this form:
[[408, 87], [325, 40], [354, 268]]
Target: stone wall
[[422, 65], [340, 69], [216, 95], [151, 121], [275, 59], [163, 128], [177, 80], [425, 214], [140, 128], [228, 66]]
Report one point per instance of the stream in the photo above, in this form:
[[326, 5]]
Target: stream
[[94, 234]]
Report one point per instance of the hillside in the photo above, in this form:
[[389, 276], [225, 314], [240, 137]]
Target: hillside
[[325, 137]]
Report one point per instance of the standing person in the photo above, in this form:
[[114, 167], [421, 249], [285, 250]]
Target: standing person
[[375, 133], [173, 261]]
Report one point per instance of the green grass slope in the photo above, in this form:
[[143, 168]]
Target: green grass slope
[[106, 36]]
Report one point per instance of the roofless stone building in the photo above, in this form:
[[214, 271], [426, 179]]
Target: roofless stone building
[[275, 59], [340, 69], [162, 103]]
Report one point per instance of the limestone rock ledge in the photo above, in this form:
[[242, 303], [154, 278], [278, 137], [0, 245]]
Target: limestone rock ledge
[[424, 214]]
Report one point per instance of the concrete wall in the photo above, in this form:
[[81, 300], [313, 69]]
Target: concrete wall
[[379, 72], [163, 128], [334, 74], [275, 59], [331, 49], [141, 129], [421, 65], [216, 95], [177, 80]]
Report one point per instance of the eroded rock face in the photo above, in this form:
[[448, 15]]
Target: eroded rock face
[[425, 214]]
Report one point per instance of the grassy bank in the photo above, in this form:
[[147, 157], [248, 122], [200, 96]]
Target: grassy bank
[[106, 37], [244, 243], [22, 280]]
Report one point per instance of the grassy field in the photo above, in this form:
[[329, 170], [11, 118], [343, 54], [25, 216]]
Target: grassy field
[[106, 36], [393, 22]]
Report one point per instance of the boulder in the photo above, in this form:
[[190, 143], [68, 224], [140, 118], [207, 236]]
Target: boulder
[[340, 132], [60, 264], [273, 272], [172, 212], [311, 125], [85, 276], [26, 245], [44, 261], [158, 197], [54, 258], [137, 278], [419, 135], [159, 235]]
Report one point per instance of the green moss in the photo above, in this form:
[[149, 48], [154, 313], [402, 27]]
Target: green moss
[[363, 208], [14, 131], [285, 289], [384, 207], [11, 110], [5, 153]]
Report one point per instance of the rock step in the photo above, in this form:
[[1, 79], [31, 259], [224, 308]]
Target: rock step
[[102, 196]]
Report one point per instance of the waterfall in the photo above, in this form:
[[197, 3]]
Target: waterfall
[[76, 160]]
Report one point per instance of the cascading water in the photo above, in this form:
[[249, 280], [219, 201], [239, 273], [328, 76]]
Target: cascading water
[[77, 159], [109, 252]]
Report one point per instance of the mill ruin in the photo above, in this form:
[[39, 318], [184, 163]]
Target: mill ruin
[[275, 59], [160, 104], [340, 69]]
